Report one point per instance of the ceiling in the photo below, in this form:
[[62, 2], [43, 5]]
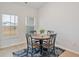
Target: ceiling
[[30, 4], [35, 4]]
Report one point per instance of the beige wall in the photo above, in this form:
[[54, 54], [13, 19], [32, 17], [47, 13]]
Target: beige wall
[[21, 11], [64, 19]]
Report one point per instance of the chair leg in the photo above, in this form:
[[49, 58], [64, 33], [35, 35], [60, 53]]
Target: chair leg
[[48, 52], [54, 51], [27, 51], [32, 52]]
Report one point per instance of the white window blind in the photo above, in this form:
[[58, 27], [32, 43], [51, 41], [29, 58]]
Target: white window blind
[[30, 24], [9, 24]]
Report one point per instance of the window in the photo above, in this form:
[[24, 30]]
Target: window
[[9, 23], [30, 24]]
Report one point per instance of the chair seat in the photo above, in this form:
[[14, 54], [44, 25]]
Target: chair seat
[[36, 40], [48, 45], [36, 45]]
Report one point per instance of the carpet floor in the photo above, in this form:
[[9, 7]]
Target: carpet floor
[[36, 53]]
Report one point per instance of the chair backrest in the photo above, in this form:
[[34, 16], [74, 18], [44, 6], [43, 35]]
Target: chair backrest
[[29, 40], [50, 32], [53, 39], [26, 35], [33, 32]]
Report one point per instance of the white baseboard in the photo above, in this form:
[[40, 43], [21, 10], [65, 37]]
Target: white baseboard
[[76, 52], [12, 45]]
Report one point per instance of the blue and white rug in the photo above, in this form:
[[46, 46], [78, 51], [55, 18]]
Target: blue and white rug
[[36, 53]]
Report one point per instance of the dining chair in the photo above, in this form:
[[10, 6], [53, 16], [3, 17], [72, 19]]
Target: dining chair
[[28, 42], [50, 44], [48, 34], [33, 45], [32, 33]]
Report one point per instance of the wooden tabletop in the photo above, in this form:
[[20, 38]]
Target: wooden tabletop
[[38, 37]]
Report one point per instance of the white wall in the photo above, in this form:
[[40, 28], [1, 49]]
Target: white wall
[[21, 11], [64, 19]]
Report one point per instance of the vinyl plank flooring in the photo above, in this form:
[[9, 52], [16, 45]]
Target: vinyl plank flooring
[[69, 54], [7, 52]]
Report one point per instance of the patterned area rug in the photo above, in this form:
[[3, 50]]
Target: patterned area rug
[[36, 53]]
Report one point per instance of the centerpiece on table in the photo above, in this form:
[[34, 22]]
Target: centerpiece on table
[[42, 32]]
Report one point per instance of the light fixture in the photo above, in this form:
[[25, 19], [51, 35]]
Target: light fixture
[[25, 2]]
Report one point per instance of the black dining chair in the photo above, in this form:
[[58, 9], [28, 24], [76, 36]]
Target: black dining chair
[[28, 42], [50, 45], [33, 46], [32, 33], [30, 45], [48, 34]]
